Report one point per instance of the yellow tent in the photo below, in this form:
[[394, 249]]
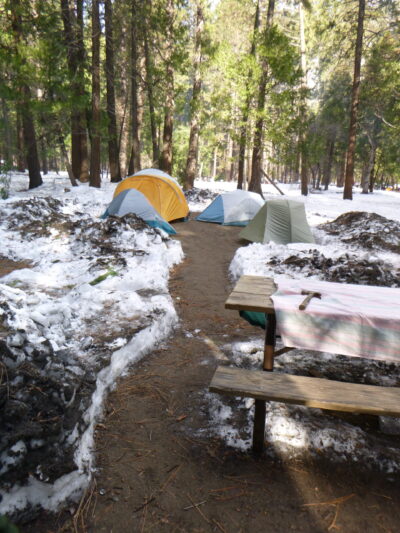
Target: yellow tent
[[161, 190]]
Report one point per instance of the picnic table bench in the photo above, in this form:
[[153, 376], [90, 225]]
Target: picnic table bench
[[253, 293]]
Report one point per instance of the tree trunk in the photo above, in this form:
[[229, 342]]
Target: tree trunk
[[123, 139], [113, 155], [150, 98], [7, 134], [303, 105], [342, 171], [21, 161], [95, 180], [318, 184], [24, 102], [255, 182], [32, 159], [214, 164], [191, 162], [355, 97], [73, 37], [65, 157], [233, 169], [246, 107], [166, 154], [374, 174], [330, 147], [134, 162], [228, 157], [43, 153], [83, 137], [369, 170]]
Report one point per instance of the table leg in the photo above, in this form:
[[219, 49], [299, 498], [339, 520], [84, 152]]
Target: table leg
[[270, 339], [268, 365], [259, 427]]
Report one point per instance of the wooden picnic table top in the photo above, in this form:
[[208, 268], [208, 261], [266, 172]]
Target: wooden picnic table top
[[252, 293]]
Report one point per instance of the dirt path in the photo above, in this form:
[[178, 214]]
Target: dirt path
[[156, 459]]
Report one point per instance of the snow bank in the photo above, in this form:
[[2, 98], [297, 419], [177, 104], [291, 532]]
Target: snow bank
[[93, 302]]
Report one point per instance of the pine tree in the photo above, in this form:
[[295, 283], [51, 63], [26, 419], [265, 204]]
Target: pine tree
[[191, 162], [355, 96], [95, 180]]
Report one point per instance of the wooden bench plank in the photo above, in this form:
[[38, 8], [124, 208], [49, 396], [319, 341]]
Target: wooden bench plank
[[308, 391], [252, 293]]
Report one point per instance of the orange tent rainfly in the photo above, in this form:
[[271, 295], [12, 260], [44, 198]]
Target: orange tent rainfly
[[161, 190]]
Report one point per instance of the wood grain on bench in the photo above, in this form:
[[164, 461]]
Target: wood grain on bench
[[308, 391], [252, 293]]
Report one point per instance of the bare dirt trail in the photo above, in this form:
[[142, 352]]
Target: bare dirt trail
[[159, 470]]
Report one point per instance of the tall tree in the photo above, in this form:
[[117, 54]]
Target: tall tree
[[95, 180], [247, 103], [355, 97], [169, 106], [255, 182], [303, 105], [113, 152], [20, 142], [74, 43], [151, 101], [134, 162], [24, 95], [191, 162]]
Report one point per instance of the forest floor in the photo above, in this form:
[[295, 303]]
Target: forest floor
[[159, 469]]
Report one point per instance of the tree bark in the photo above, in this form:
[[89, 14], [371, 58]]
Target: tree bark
[[113, 155], [166, 153], [255, 182], [73, 38], [191, 162], [7, 134], [134, 162], [32, 158], [369, 170], [82, 132], [21, 161], [330, 147], [374, 174], [95, 180], [303, 105], [150, 98], [214, 164], [123, 138], [24, 102], [45, 161], [246, 107], [65, 157], [233, 169], [355, 97]]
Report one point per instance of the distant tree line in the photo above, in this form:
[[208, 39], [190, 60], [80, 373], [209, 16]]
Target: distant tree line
[[295, 91]]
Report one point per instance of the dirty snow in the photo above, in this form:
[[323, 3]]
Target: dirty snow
[[93, 301]]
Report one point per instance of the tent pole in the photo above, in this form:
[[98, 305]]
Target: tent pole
[[272, 182]]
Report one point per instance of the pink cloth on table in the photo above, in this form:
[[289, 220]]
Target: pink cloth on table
[[355, 320]]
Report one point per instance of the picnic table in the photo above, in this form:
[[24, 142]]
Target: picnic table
[[254, 293]]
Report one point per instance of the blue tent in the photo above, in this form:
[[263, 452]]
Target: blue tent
[[234, 208], [133, 201]]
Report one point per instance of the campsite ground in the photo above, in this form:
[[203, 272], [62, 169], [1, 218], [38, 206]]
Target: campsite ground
[[159, 469]]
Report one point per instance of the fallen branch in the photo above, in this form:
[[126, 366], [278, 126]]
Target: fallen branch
[[195, 505], [337, 501], [145, 504], [198, 509]]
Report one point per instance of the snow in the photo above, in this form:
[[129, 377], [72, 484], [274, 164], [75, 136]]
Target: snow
[[55, 303], [80, 327]]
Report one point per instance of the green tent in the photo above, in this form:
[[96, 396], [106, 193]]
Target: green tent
[[282, 221]]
